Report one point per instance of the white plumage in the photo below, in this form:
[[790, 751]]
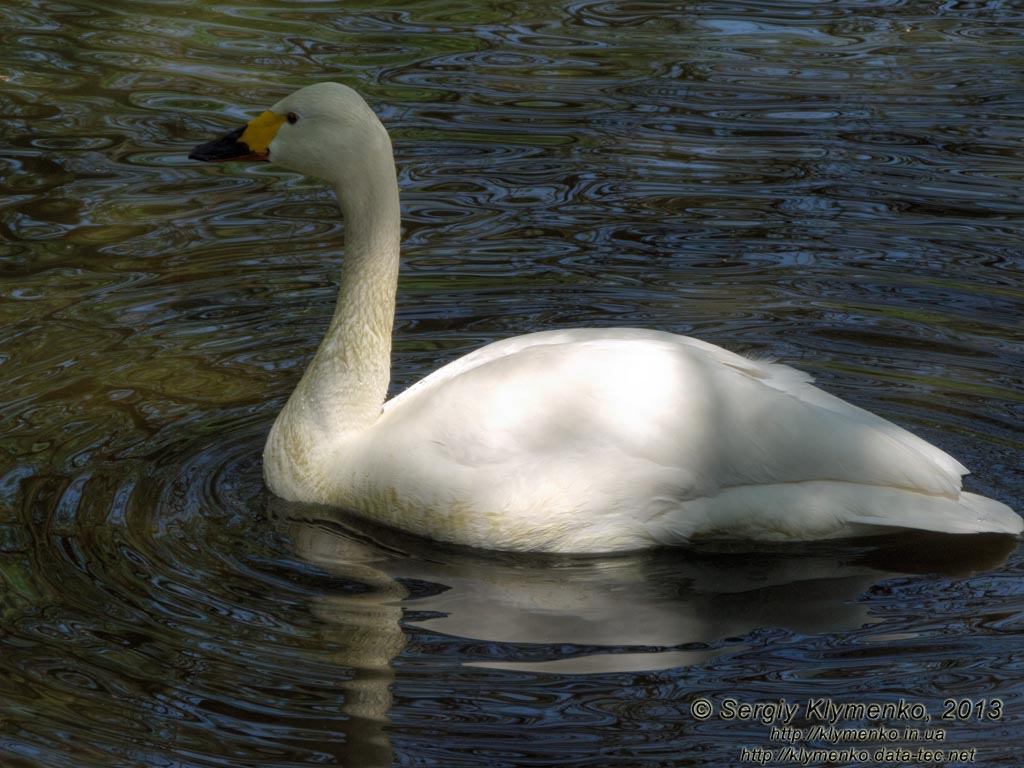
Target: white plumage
[[575, 440]]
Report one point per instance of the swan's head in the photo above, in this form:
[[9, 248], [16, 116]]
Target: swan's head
[[323, 130]]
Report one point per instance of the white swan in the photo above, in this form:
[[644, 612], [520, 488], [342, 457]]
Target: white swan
[[595, 440]]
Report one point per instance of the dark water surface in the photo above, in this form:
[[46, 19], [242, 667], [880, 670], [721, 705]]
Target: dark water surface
[[837, 186]]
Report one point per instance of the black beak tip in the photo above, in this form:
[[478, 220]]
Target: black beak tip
[[225, 148]]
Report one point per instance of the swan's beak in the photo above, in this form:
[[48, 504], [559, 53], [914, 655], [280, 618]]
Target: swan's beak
[[229, 147], [250, 142]]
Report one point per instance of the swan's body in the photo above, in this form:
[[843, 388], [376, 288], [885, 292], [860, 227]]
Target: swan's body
[[569, 441]]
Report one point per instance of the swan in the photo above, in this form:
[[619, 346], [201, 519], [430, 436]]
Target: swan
[[572, 441]]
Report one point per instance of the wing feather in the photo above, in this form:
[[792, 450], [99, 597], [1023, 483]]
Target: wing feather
[[719, 419]]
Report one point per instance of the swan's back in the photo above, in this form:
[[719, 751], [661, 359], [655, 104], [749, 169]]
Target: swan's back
[[672, 399]]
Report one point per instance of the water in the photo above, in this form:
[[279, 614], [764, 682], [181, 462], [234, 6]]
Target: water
[[838, 187]]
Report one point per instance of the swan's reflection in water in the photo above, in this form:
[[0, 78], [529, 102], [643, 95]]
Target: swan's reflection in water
[[362, 627], [628, 613], [660, 600]]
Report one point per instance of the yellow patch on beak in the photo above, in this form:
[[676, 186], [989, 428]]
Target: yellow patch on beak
[[260, 131]]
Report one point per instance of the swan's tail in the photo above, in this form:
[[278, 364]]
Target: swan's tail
[[829, 510], [970, 513]]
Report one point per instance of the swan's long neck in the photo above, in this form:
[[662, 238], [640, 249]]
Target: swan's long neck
[[344, 387]]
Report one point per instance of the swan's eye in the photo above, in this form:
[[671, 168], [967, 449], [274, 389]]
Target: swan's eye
[[292, 118]]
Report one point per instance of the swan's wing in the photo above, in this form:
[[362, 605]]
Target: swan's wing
[[595, 401], [800, 385]]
